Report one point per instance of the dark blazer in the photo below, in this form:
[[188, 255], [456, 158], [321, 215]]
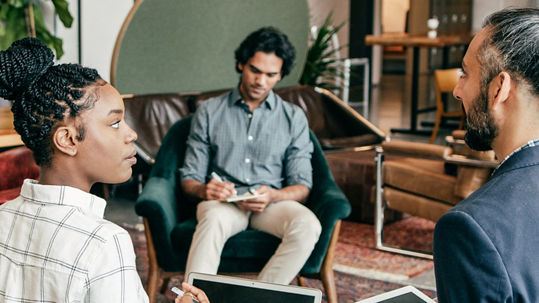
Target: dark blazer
[[486, 249]]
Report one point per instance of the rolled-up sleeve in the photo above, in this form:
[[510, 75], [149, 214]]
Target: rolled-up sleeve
[[298, 169], [197, 155]]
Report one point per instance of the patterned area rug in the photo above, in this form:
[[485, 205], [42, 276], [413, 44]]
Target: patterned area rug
[[355, 249], [360, 270]]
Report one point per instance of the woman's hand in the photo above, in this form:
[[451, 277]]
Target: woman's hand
[[191, 293]]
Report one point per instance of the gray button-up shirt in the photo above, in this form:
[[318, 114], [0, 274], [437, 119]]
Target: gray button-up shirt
[[269, 146]]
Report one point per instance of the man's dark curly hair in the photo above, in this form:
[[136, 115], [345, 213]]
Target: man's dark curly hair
[[268, 40], [42, 93]]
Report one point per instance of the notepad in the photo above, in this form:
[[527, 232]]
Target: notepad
[[245, 196]]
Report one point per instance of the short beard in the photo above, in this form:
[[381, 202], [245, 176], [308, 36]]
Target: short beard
[[481, 129]]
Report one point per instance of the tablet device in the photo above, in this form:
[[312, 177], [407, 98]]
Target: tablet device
[[226, 289], [407, 294]]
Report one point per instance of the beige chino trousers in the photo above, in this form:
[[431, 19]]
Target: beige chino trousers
[[291, 221]]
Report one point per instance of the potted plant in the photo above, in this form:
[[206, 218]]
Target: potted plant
[[320, 68], [23, 18]]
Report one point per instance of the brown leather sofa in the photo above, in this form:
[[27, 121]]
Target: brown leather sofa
[[337, 126]]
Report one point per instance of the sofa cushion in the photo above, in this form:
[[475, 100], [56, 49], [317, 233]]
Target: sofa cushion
[[422, 176], [415, 205]]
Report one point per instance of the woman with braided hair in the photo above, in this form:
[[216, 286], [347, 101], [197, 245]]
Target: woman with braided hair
[[55, 245]]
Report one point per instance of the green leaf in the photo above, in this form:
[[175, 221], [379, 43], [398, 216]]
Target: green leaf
[[319, 69], [15, 26], [18, 3], [62, 10], [43, 34]]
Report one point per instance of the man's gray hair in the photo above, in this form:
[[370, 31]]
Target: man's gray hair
[[512, 45]]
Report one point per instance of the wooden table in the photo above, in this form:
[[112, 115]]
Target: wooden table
[[416, 41], [9, 138]]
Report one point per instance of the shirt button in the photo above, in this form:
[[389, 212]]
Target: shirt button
[[247, 180], [250, 115], [247, 160], [250, 138]]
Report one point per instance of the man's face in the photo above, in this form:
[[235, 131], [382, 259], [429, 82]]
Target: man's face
[[481, 128], [259, 75], [106, 150]]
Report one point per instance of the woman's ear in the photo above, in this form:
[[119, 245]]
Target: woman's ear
[[64, 139]]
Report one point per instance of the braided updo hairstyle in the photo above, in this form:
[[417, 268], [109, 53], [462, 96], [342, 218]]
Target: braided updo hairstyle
[[42, 93]]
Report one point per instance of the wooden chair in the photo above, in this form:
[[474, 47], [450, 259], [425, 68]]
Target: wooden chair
[[445, 81], [426, 180]]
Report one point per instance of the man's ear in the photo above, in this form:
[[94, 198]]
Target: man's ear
[[64, 139], [240, 67], [500, 87]]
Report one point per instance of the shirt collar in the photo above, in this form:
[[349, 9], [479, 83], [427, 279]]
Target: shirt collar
[[236, 98], [528, 144], [63, 195]]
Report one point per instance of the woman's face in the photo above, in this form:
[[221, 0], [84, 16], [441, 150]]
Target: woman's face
[[106, 151]]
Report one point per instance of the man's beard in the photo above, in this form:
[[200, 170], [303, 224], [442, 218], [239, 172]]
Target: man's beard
[[481, 129]]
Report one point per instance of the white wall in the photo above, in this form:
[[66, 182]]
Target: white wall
[[483, 8], [341, 13], [100, 22]]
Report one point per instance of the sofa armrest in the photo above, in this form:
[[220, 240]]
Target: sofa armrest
[[16, 165]]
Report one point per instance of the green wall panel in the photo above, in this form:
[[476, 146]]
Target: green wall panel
[[188, 45]]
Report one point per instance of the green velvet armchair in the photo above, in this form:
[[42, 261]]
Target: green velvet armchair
[[169, 218]]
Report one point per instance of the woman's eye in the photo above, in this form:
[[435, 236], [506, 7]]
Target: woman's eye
[[116, 125], [461, 73]]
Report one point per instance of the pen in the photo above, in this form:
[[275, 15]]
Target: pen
[[215, 176], [180, 292]]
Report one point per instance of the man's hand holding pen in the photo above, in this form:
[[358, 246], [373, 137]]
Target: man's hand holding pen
[[218, 189]]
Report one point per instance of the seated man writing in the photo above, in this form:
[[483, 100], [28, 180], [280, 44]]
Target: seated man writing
[[253, 140]]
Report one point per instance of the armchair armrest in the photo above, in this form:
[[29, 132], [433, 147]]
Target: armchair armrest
[[330, 205], [416, 149], [157, 203], [462, 160]]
